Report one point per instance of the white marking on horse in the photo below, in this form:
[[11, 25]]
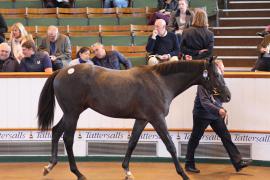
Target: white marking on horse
[[71, 71]]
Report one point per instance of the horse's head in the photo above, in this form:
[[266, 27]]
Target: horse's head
[[213, 81]]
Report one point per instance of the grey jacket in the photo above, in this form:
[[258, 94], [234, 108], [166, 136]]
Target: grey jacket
[[174, 21], [63, 48]]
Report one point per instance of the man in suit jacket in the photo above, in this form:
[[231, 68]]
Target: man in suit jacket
[[57, 46]]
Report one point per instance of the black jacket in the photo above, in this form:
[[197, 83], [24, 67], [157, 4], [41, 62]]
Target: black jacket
[[9, 65], [3, 28], [195, 39]]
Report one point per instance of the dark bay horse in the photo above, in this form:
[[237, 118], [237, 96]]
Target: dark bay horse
[[143, 93]]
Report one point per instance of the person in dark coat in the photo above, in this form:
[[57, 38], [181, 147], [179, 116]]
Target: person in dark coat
[[208, 110], [3, 28], [198, 40], [7, 63]]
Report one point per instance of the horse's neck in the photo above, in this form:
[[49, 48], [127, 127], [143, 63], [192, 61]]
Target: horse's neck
[[179, 82]]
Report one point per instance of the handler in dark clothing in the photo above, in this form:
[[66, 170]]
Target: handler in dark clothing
[[162, 45], [198, 40], [111, 60], [3, 28], [7, 63], [208, 110]]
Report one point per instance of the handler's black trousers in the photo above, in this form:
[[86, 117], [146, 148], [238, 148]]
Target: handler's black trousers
[[220, 128]]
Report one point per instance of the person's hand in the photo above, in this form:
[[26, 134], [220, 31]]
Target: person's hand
[[167, 13], [188, 57], [20, 57], [222, 112], [46, 52], [154, 34], [53, 58], [162, 10], [202, 50], [164, 57], [180, 31]]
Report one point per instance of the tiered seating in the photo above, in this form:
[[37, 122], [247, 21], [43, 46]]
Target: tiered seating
[[236, 39], [77, 16], [21, 3], [121, 35]]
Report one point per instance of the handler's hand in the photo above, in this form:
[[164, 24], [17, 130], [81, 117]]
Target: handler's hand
[[222, 112]]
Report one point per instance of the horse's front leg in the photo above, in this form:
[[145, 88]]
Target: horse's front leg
[[162, 130], [138, 127], [70, 128], [57, 132]]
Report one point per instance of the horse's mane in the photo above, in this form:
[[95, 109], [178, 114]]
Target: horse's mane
[[178, 66]]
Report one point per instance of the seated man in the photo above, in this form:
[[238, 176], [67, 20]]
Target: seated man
[[263, 62], [34, 61], [7, 63], [110, 60], [58, 3], [162, 45], [57, 46], [115, 3]]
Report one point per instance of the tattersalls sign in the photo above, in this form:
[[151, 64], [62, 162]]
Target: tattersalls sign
[[258, 142], [124, 135]]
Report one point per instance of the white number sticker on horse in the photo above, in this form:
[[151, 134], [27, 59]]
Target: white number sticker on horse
[[71, 71]]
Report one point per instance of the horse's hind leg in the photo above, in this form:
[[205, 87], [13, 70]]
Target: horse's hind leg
[[134, 138], [57, 132], [70, 128], [161, 128]]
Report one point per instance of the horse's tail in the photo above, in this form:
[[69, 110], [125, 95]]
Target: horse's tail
[[46, 104]]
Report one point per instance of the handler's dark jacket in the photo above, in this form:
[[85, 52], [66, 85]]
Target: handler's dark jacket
[[205, 105]]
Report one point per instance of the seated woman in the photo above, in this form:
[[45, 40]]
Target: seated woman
[[180, 19], [83, 56], [198, 40], [18, 36], [165, 8], [263, 62], [34, 61]]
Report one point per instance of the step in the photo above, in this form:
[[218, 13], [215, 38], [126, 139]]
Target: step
[[248, 4], [237, 31], [244, 12], [237, 40], [242, 63], [244, 21], [235, 51]]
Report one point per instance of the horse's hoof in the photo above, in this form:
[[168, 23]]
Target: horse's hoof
[[82, 178], [46, 170], [185, 177], [129, 176]]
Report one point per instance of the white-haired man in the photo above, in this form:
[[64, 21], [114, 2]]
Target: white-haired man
[[7, 63], [57, 46], [162, 45]]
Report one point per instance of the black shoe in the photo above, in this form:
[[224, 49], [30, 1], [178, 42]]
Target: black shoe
[[192, 169], [242, 164], [262, 34]]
